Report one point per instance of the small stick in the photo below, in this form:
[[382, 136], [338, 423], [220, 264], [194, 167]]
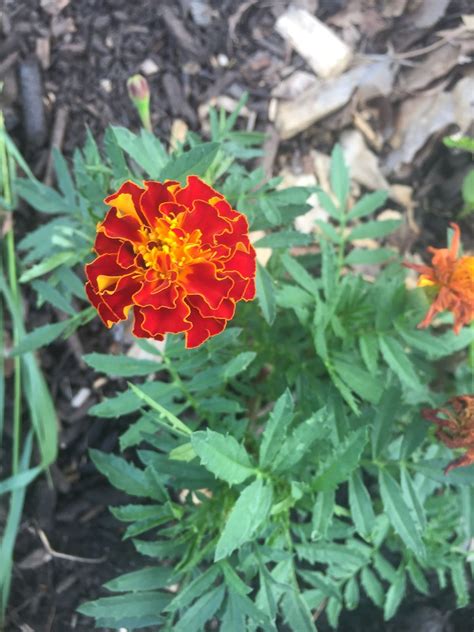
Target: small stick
[[65, 556], [57, 137]]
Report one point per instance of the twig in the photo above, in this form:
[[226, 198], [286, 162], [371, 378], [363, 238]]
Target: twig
[[65, 556], [57, 137]]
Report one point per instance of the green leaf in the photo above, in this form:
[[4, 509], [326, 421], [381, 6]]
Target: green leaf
[[131, 513], [148, 578], [417, 578], [201, 611], [464, 143], [40, 337], [194, 589], [223, 456], [367, 204], [372, 586], [339, 175], [41, 197], [360, 504], [365, 256], [275, 428], [296, 613], [399, 513], [351, 594], [284, 239], [148, 157], [240, 606], [65, 182], [437, 346], [132, 606], [47, 292], [121, 365], [395, 595], [270, 210], [411, 497], [396, 358], [237, 364], [165, 417], [374, 230], [342, 462], [123, 475], [369, 350], [299, 274], [247, 515], [322, 581], [384, 421], [333, 610], [359, 380], [301, 441], [266, 294], [458, 575], [196, 161], [56, 260], [322, 513], [328, 205]]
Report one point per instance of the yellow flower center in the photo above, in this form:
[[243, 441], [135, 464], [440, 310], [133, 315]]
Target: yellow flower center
[[167, 247]]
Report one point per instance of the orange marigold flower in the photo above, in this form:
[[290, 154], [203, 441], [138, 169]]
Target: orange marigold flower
[[180, 257], [452, 278], [455, 427]]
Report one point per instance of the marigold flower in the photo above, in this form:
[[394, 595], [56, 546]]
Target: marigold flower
[[452, 278], [455, 427], [180, 257]]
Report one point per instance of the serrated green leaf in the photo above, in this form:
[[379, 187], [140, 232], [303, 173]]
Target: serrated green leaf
[[165, 417], [458, 575], [196, 161], [201, 611], [372, 586], [266, 294], [367, 204], [296, 613], [299, 274], [360, 505], [322, 513], [385, 417], [399, 513], [301, 441], [395, 595], [248, 514], [351, 593], [366, 386], [149, 578], [223, 456], [417, 578], [396, 358], [40, 337], [238, 364], [345, 458], [411, 498], [194, 589], [130, 606], [374, 230], [121, 365], [275, 428], [369, 350], [339, 176], [49, 264], [122, 475]]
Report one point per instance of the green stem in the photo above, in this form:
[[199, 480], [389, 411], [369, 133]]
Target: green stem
[[13, 283]]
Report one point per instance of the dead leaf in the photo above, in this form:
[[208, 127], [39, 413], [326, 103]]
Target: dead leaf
[[324, 51], [43, 52], [428, 13], [362, 162], [294, 85]]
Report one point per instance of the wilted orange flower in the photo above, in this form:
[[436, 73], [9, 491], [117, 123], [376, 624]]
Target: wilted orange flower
[[180, 257], [455, 427], [452, 278]]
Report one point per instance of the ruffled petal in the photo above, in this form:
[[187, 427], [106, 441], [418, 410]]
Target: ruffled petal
[[202, 329], [127, 200], [158, 294], [196, 189], [242, 262], [154, 195], [104, 272], [225, 310], [200, 278], [126, 228], [204, 217], [163, 320]]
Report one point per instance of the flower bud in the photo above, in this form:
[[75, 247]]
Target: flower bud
[[139, 93]]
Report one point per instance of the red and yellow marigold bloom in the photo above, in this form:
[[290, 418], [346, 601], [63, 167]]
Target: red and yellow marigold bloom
[[452, 279], [455, 427], [178, 257]]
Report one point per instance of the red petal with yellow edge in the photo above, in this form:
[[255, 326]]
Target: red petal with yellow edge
[[195, 189], [126, 255], [104, 244], [138, 330], [239, 234], [163, 320], [202, 329], [106, 315], [157, 294], [250, 291], [201, 279], [155, 194], [104, 266], [226, 210], [205, 218], [225, 310], [116, 227], [120, 300], [243, 263], [127, 200]]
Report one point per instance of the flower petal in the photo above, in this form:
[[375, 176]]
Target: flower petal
[[104, 266], [200, 278], [204, 217], [117, 227], [202, 329], [195, 189], [225, 310], [154, 195], [126, 200], [163, 320]]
